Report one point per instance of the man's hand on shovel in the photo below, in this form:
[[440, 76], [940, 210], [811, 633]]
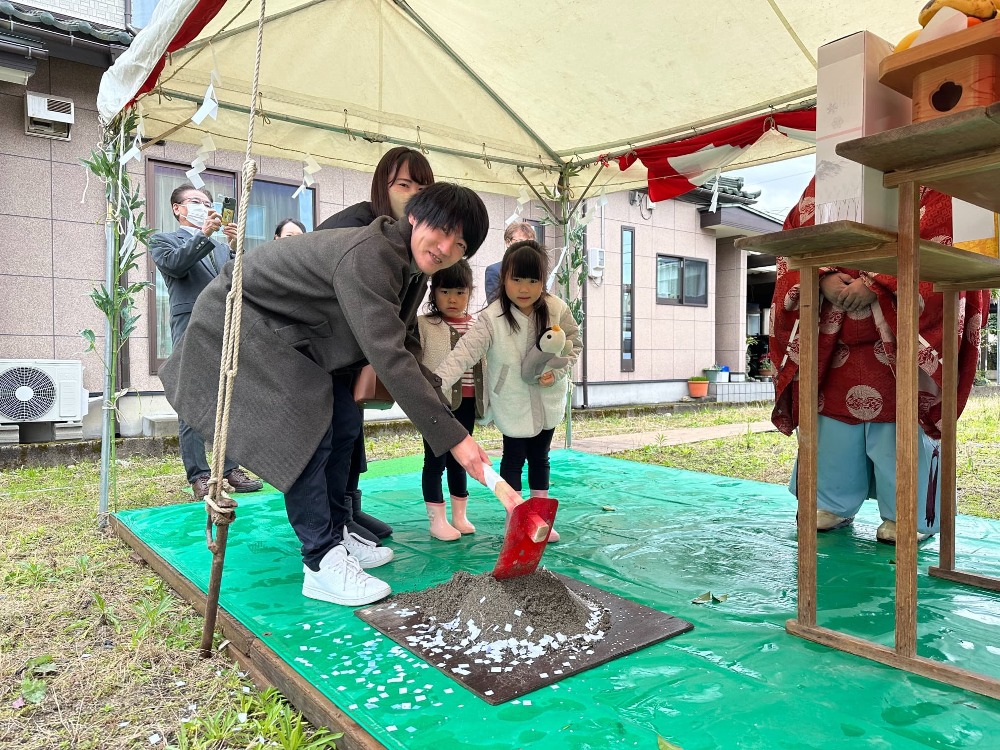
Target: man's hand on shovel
[[472, 457]]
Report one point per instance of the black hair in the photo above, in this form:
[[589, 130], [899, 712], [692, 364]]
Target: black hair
[[458, 276], [448, 207], [387, 169], [177, 194], [283, 222], [525, 260]]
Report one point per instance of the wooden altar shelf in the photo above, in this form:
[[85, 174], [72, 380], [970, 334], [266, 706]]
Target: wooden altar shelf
[[898, 70], [847, 243], [957, 154], [951, 74]]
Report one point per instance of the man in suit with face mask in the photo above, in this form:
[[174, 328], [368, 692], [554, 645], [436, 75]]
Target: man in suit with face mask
[[189, 258]]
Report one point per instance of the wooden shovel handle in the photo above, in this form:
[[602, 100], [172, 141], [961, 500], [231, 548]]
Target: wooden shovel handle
[[506, 494], [538, 530]]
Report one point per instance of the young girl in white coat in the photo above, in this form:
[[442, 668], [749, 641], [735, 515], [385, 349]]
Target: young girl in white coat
[[441, 329], [526, 413]]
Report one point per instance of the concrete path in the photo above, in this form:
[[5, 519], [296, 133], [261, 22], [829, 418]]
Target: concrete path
[[616, 443]]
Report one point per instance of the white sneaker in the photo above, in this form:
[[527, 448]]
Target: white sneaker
[[341, 580], [886, 533], [369, 554], [827, 521]]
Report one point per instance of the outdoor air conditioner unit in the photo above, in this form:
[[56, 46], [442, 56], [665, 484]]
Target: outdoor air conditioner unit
[[48, 116], [595, 261], [41, 390]]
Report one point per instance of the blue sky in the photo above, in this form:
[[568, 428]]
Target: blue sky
[[781, 182]]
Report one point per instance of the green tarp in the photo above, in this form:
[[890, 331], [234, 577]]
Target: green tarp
[[658, 536]]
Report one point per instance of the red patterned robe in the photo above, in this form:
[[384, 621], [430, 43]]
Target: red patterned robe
[[857, 351]]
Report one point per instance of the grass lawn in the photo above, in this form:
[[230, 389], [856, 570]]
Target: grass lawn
[[96, 652]]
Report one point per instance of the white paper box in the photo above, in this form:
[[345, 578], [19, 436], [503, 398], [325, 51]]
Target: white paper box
[[851, 103]]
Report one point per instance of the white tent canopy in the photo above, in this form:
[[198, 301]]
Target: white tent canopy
[[488, 85]]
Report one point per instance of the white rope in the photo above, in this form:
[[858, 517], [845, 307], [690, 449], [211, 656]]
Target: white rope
[[220, 505]]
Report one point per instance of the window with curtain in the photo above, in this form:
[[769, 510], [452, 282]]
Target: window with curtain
[[628, 257], [539, 228], [681, 281], [270, 202]]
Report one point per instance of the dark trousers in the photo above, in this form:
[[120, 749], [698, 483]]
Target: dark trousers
[[534, 450], [434, 466], [359, 460], [193, 453], [192, 444], [316, 503]]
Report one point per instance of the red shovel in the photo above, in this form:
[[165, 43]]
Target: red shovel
[[528, 525]]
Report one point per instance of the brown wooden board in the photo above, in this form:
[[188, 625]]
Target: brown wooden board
[[958, 155], [937, 141], [853, 245], [633, 627]]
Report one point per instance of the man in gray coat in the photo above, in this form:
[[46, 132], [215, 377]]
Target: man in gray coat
[[315, 308], [189, 258]]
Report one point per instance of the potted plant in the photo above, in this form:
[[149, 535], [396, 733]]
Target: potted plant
[[697, 386], [766, 368], [717, 374]]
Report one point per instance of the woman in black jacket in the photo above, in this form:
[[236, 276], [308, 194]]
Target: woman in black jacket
[[400, 174]]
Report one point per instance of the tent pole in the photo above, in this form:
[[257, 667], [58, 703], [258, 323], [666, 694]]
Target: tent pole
[[436, 38], [565, 216], [409, 143]]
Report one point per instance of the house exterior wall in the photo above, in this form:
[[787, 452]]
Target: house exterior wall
[[730, 306], [671, 342], [50, 222], [51, 219], [105, 12]]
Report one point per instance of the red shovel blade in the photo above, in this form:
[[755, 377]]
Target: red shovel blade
[[520, 553]]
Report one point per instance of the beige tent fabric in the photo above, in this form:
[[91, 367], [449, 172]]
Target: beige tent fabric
[[487, 85]]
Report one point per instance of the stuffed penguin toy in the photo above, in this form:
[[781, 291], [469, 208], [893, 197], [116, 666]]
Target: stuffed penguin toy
[[550, 352]]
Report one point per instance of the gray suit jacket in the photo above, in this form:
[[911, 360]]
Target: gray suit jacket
[[188, 263], [313, 304], [493, 282]]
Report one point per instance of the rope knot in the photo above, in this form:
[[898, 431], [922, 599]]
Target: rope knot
[[221, 510], [249, 171]]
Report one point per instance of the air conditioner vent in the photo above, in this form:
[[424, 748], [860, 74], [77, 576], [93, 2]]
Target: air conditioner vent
[[48, 116], [26, 393], [59, 105]]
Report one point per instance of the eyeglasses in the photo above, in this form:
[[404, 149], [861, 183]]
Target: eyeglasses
[[207, 204]]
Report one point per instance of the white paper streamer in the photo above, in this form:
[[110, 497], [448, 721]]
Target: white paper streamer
[[715, 193], [311, 167], [209, 107], [194, 177], [132, 153]]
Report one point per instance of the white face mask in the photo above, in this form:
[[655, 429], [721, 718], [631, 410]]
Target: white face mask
[[197, 214], [397, 202]]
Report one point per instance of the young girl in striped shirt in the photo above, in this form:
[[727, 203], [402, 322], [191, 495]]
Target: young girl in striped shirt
[[445, 323]]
